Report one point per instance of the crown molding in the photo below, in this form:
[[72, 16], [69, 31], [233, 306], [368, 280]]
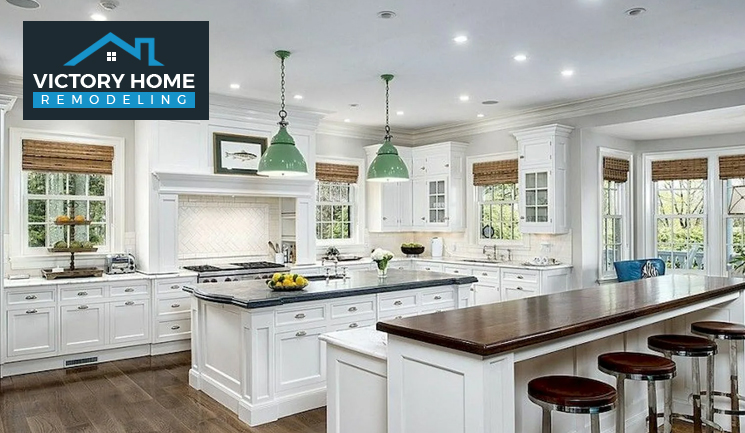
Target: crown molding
[[11, 85], [7, 102], [231, 107], [404, 137], [683, 89]]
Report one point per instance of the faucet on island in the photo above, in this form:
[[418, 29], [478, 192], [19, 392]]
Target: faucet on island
[[336, 269]]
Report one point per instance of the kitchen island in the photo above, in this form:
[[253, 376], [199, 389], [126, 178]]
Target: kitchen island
[[467, 370], [257, 352]]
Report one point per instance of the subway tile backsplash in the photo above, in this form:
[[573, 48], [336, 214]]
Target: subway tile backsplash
[[214, 227]]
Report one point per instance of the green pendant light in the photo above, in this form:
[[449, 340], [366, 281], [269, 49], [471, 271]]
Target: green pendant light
[[282, 158], [387, 165]]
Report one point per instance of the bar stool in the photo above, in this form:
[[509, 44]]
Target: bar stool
[[694, 348], [724, 331], [572, 394], [638, 366]]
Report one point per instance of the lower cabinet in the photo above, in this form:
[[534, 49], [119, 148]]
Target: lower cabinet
[[300, 358], [486, 293], [32, 331], [82, 327], [129, 321]]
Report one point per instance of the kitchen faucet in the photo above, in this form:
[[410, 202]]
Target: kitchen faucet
[[328, 270], [492, 255]]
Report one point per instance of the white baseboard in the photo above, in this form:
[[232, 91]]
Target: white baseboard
[[170, 347]]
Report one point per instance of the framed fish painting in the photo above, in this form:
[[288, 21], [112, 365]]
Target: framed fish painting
[[237, 154]]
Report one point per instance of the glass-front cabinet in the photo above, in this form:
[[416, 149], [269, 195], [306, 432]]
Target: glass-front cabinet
[[437, 201], [536, 197]]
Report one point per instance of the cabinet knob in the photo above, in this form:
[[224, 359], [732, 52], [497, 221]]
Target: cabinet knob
[[398, 303], [522, 218], [438, 297], [447, 165], [175, 327], [456, 271], [522, 156], [30, 297], [301, 334], [423, 168], [385, 218], [300, 316], [83, 307], [32, 311], [519, 288], [401, 267], [175, 305], [472, 289], [352, 309], [484, 274], [175, 286], [129, 290], [353, 325], [427, 269], [520, 277], [399, 317], [129, 303], [82, 293]]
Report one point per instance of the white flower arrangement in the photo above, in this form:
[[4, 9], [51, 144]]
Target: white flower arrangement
[[381, 257]]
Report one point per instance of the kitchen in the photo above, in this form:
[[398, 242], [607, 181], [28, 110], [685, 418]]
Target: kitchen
[[510, 201]]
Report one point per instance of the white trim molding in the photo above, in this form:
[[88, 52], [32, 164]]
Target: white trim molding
[[7, 102], [627, 210]]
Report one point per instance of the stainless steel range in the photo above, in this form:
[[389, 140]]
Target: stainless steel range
[[236, 271]]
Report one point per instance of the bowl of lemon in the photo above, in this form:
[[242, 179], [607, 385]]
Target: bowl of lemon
[[287, 282]]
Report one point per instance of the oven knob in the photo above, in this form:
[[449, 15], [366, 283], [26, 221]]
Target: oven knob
[[213, 280]]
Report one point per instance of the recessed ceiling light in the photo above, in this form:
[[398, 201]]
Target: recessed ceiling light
[[635, 12], [386, 15], [461, 39], [464, 98], [347, 120], [480, 115], [399, 113], [520, 57], [98, 17], [235, 86], [298, 96], [490, 102], [109, 5], [567, 72], [25, 4]]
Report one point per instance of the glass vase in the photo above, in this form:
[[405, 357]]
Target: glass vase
[[382, 272]]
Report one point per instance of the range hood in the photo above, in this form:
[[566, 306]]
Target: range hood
[[216, 184]]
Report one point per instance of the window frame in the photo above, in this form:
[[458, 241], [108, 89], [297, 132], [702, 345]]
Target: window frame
[[515, 201], [351, 202], [703, 216], [20, 255], [625, 206], [358, 210]]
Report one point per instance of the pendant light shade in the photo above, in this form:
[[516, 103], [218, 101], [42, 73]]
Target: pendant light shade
[[282, 158], [387, 165]]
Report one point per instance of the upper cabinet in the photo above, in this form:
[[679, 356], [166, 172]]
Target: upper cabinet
[[434, 198], [542, 165]]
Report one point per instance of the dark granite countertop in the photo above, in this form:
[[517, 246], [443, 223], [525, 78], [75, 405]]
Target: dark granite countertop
[[256, 294], [488, 330]]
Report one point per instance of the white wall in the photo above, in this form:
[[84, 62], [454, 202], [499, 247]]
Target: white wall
[[341, 147]]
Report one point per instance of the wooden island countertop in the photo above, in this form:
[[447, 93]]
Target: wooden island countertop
[[493, 329]]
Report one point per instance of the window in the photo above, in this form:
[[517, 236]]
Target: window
[[680, 223], [498, 210], [111, 56], [49, 195], [734, 225], [612, 226], [334, 210]]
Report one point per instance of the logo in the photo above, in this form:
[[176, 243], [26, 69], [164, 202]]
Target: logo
[[111, 70]]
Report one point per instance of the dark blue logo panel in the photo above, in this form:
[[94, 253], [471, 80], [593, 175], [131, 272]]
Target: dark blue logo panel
[[116, 70]]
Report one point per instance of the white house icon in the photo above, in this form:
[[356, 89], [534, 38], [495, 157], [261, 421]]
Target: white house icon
[[111, 56]]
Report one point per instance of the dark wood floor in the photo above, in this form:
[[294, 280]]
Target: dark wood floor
[[140, 395]]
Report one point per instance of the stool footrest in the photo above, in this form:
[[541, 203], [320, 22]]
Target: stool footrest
[[727, 395], [689, 418]]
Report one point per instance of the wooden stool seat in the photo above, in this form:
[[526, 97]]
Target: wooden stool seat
[[637, 366], [682, 345], [719, 330], [577, 394]]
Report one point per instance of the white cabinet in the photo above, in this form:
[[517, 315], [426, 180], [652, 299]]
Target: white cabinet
[[542, 166], [300, 358], [82, 326], [172, 316], [32, 331], [129, 321], [389, 203]]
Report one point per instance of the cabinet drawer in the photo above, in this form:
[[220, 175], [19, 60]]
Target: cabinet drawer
[[79, 294], [520, 275], [129, 290], [354, 309], [353, 325], [456, 270], [521, 287], [174, 328], [486, 273], [399, 314], [173, 306], [398, 302], [437, 297], [428, 267], [301, 315], [173, 286], [439, 308], [31, 297]]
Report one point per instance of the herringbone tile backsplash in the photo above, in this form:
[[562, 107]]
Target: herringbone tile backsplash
[[217, 226]]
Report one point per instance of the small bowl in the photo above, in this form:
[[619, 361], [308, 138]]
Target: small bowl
[[412, 251]]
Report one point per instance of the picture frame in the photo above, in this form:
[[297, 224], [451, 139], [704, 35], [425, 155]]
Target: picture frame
[[237, 154]]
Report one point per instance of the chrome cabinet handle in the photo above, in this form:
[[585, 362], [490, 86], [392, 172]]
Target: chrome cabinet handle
[[424, 168], [129, 303], [30, 297], [300, 316], [83, 307], [472, 289], [175, 286], [399, 317], [518, 288], [175, 327], [129, 290], [423, 218], [175, 305], [522, 156], [353, 325], [31, 311], [484, 274], [438, 297], [301, 334], [401, 267], [82, 293], [352, 309], [427, 269], [398, 303], [520, 277], [385, 218], [456, 271], [522, 218]]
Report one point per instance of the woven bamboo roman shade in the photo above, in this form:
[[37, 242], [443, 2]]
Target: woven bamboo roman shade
[[615, 169], [337, 172], [67, 157], [494, 172], [680, 169], [731, 167]]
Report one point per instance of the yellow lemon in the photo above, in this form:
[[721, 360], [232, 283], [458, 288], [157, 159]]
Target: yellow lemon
[[300, 281], [276, 276]]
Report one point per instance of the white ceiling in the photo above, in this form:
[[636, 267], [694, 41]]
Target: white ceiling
[[340, 48], [720, 121]]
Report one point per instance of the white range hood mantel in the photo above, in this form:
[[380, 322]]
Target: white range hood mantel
[[216, 184]]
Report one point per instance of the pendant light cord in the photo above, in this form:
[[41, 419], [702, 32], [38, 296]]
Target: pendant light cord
[[387, 126], [282, 111]]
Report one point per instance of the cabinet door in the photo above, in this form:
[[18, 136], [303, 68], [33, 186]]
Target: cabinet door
[[511, 293], [404, 205], [535, 153], [129, 321], [486, 293], [31, 331], [300, 358], [437, 202], [535, 216], [419, 168], [390, 206], [419, 202], [83, 327], [438, 164]]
